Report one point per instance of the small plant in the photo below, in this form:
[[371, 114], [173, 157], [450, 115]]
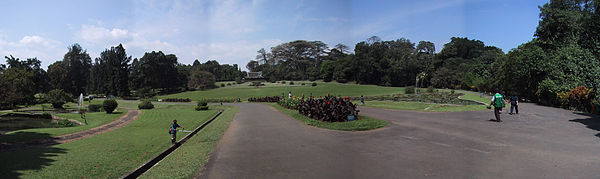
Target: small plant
[[410, 90], [94, 107], [282, 82], [452, 91], [146, 104], [303, 84], [291, 83], [64, 123], [314, 84], [430, 89], [183, 100], [110, 105], [202, 105], [222, 84], [228, 84]]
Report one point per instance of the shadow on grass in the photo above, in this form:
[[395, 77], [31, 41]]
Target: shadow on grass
[[592, 121], [22, 137], [14, 162]]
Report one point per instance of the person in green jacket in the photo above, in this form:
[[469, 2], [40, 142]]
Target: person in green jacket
[[498, 103]]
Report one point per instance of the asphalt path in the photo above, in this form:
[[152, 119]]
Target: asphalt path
[[540, 142]]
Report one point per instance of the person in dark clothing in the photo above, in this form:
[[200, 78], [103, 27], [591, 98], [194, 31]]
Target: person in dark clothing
[[514, 104], [362, 100], [173, 131]]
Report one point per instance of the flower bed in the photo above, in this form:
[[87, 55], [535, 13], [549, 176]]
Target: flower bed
[[437, 97], [265, 99], [290, 103], [177, 100], [328, 109]]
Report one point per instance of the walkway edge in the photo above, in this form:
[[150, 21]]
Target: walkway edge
[[150, 163]]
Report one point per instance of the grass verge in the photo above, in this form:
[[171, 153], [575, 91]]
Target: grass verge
[[365, 122], [94, 119], [426, 107], [190, 158], [108, 155]]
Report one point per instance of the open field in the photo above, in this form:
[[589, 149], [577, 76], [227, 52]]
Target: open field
[[107, 155], [244, 91]]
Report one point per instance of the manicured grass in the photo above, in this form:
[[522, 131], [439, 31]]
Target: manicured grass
[[94, 119], [475, 97], [365, 123], [191, 157], [108, 155], [244, 91], [417, 106]]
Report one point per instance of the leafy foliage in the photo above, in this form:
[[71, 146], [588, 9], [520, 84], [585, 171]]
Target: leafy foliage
[[581, 97], [329, 109], [94, 107], [265, 99], [57, 98], [409, 90], [290, 103], [177, 100], [109, 105], [146, 104]]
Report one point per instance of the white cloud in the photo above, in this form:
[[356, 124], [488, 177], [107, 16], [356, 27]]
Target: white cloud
[[99, 35], [33, 46]]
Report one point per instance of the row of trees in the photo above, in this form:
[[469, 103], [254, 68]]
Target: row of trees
[[113, 73], [563, 55]]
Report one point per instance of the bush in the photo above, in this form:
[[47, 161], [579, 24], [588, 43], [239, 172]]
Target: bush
[[409, 90], [289, 103], [265, 99], [201, 108], [182, 100], [291, 83], [223, 84], [46, 115], [94, 107], [228, 84], [202, 103], [64, 123], [109, 105], [57, 98], [314, 84], [430, 89], [452, 91], [303, 84], [146, 104], [581, 98], [328, 109]]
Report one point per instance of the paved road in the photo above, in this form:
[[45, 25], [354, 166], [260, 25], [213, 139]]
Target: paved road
[[264, 143]]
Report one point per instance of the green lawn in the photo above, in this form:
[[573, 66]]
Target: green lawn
[[417, 106], [244, 91], [94, 119], [191, 157], [365, 123], [108, 155]]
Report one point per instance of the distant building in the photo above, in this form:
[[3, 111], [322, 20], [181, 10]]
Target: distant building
[[254, 75]]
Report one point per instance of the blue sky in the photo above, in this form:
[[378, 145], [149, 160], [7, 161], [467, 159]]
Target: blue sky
[[231, 31]]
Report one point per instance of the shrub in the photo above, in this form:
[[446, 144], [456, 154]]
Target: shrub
[[563, 99], [202, 103], [282, 82], [452, 91], [289, 103], [314, 84], [328, 109], [409, 90], [223, 84], [146, 104], [46, 115], [109, 105], [64, 123], [430, 89], [291, 83], [201, 108], [177, 100], [303, 84], [57, 98], [94, 107], [265, 99], [581, 98], [228, 84]]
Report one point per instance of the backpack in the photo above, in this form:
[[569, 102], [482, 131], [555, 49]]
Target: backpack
[[171, 130], [498, 102]]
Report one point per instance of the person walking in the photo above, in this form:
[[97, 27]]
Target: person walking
[[498, 103], [290, 95], [362, 100], [173, 131], [514, 104]]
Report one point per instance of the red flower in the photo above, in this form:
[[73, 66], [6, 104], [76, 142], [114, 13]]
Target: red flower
[[328, 103], [340, 102]]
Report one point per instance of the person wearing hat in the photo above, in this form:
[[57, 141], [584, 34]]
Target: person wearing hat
[[173, 131]]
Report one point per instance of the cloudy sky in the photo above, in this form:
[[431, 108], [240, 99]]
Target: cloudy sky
[[231, 31]]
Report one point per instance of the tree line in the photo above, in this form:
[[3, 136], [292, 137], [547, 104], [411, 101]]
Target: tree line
[[113, 73], [563, 55]]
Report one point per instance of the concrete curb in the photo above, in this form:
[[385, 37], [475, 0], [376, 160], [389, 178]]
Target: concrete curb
[[150, 163]]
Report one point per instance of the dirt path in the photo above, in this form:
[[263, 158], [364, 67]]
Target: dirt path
[[131, 115]]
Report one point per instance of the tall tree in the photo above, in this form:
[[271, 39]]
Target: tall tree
[[110, 72]]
